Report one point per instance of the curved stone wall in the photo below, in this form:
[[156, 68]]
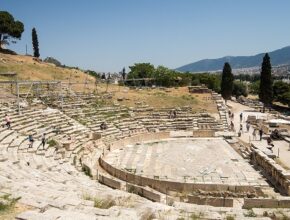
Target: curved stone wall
[[167, 186]]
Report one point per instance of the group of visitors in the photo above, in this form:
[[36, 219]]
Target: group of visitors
[[247, 127], [256, 132], [7, 122], [31, 140]]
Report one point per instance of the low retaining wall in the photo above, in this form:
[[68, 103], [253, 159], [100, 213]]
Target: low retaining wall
[[266, 203], [143, 137], [110, 182], [276, 174], [203, 133], [148, 194], [212, 201], [139, 138], [163, 186]]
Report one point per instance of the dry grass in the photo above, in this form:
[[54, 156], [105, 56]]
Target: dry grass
[[28, 69], [13, 212], [10, 208], [157, 98]]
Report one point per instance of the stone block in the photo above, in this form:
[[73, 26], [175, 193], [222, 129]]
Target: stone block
[[260, 203], [96, 136], [110, 182]]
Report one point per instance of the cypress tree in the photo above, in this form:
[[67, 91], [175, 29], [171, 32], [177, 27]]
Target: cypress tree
[[266, 82], [35, 43], [227, 83], [124, 73]]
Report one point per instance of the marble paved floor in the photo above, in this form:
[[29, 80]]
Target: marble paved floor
[[202, 160]]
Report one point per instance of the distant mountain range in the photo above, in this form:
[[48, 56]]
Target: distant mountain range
[[278, 57]]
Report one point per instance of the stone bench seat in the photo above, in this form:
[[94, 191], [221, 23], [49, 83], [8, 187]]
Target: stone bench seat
[[5, 134], [18, 141]]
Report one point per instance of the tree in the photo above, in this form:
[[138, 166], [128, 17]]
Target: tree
[[285, 99], [211, 80], [254, 87], [279, 88], [141, 70], [281, 92], [266, 82], [124, 73], [239, 89], [53, 61], [103, 76], [9, 28], [227, 82], [35, 43]]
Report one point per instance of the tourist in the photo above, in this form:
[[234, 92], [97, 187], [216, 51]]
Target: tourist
[[56, 130], [43, 139], [232, 126], [232, 116], [241, 128], [170, 114], [31, 140], [270, 142], [248, 126], [255, 134], [241, 117], [8, 121], [174, 114], [261, 133], [103, 126]]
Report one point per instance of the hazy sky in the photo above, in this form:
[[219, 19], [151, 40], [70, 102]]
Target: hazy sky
[[106, 35]]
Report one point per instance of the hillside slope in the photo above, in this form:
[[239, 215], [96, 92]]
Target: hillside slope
[[29, 69], [278, 57]]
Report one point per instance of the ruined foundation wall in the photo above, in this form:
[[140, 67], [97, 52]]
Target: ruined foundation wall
[[276, 174]]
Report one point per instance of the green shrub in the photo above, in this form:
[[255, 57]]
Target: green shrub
[[51, 143], [104, 204], [7, 203], [250, 213]]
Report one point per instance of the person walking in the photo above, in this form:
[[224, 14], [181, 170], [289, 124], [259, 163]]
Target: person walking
[[43, 140], [232, 126], [261, 133], [31, 140], [255, 134], [248, 126], [8, 121], [241, 128], [241, 117], [270, 144]]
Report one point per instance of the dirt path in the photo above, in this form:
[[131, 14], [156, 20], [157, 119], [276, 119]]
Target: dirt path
[[237, 109]]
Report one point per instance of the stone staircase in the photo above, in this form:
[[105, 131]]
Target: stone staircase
[[47, 180]]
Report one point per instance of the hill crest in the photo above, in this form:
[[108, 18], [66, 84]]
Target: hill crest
[[278, 57]]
